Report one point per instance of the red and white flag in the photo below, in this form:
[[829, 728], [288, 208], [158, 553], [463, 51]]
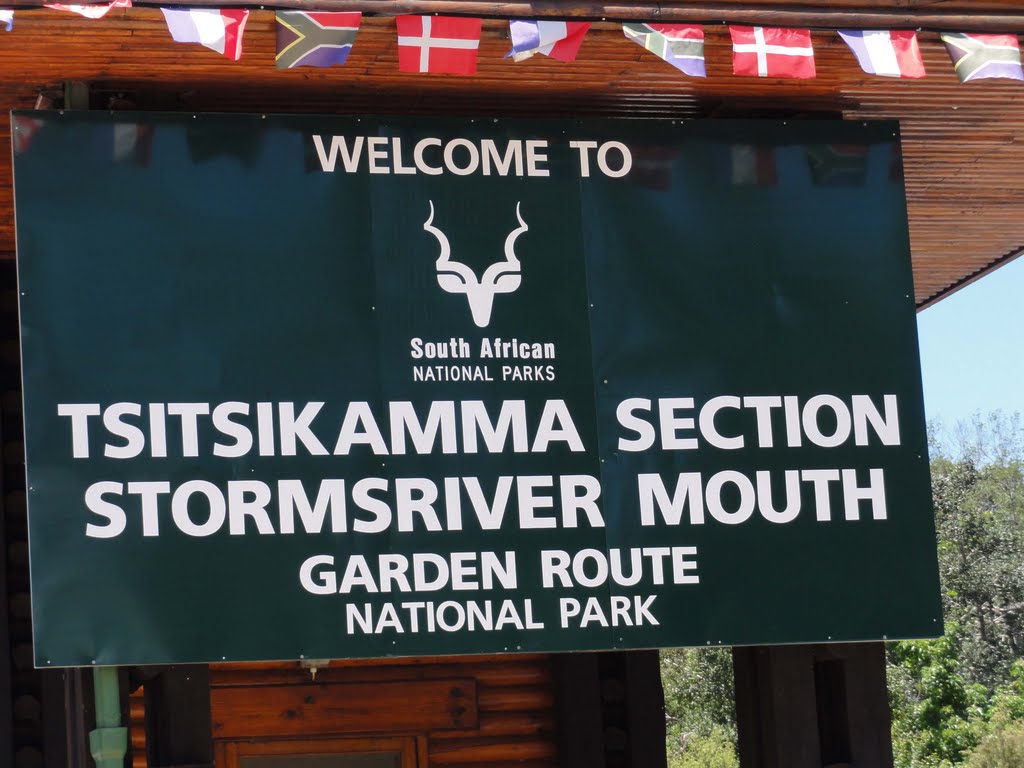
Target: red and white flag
[[772, 52], [219, 30], [558, 39], [91, 11], [889, 53], [442, 44]]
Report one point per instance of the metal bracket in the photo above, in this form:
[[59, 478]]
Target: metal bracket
[[76, 95]]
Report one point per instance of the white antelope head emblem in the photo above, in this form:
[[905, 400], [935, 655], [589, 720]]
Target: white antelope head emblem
[[501, 277]]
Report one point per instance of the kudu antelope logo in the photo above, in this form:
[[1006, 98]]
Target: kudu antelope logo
[[501, 277]]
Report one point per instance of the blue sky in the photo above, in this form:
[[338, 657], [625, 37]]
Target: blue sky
[[972, 348]]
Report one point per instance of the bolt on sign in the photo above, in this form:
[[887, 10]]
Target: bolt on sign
[[333, 387]]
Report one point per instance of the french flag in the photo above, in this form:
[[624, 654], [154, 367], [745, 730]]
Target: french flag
[[558, 39], [219, 30], [886, 53]]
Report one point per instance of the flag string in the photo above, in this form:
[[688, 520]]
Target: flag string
[[433, 43]]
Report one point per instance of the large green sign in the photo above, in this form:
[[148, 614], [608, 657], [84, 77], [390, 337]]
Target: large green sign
[[333, 387]]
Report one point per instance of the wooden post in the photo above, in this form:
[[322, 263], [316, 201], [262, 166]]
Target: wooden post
[[578, 703], [611, 710], [645, 699], [178, 723], [68, 715], [813, 706], [6, 689]]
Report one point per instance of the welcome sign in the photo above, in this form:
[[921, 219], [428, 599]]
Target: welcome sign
[[336, 387]]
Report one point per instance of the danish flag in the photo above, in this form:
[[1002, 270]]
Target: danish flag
[[770, 52], [443, 44]]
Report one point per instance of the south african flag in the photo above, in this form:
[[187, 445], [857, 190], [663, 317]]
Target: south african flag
[[312, 39], [681, 45], [978, 57]]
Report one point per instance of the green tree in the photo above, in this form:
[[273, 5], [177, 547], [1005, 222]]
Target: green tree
[[979, 516], [956, 701], [699, 708], [950, 697], [938, 717]]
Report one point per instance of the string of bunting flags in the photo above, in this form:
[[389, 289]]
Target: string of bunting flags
[[449, 44]]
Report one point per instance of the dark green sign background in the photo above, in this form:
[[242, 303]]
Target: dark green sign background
[[210, 259]]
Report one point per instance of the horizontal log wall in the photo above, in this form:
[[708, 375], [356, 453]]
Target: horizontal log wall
[[137, 729], [330, 707], [514, 706]]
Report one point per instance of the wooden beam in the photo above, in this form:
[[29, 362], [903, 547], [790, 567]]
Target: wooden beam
[[178, 721], [775, 707], [804, 706], [578, 706], [6, 691], [67, 717], [645, 699], [611, 709]]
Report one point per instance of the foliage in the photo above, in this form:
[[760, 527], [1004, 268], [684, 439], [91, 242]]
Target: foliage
[[699, 708], [1003, 748], [963, 695], [957, 701], [979, 516], [937, 715], [716, 750]]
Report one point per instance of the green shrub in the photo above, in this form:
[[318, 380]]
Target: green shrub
[[715, 750], [1002, 749]]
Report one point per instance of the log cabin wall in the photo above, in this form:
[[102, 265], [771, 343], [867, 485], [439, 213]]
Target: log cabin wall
[[573, 710], [485, 711], [137, 728]]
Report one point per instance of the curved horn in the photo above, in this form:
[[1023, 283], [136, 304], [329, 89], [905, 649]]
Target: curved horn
[[510, 241], [446, 249]]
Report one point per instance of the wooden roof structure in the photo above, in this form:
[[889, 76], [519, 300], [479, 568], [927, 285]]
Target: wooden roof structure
[[963, 143]]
